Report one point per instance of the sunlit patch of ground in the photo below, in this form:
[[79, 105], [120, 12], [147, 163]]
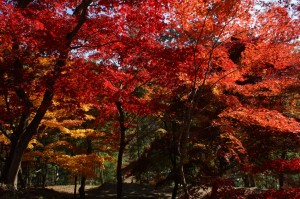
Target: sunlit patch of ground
[[69, 188]]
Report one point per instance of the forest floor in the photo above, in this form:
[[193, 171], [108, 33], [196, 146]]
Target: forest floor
[[107, 191]]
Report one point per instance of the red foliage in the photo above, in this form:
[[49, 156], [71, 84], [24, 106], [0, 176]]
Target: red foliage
[[270, 194], [280, 165]]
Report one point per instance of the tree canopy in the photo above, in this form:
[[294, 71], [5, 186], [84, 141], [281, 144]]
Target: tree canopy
[[210, 86]]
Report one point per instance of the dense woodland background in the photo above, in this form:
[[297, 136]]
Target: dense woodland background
[[189, 94]]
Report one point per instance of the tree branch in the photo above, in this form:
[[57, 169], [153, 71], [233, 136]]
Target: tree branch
[[23, 3], [82, 8], [48, 95]]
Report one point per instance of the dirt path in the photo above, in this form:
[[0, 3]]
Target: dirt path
[[106, 191], [132, 191]]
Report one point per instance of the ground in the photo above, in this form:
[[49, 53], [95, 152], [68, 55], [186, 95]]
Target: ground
[[107, 191]]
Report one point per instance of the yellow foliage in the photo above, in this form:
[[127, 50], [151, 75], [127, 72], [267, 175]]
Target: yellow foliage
[[2, 101], [64, 129], [61, 143], [71, 122], [89, 117], [53, 123], [4, 139], [58, 113], [160, 132], [86, 107], [81, 133], [184, 78], [81, 164], [110, 159], [33, 143], [46, 61], [31, 155], [216, 91]]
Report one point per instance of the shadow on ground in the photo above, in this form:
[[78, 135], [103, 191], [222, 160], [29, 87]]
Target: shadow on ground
[[132, 191], [106, 191], [35, 193]]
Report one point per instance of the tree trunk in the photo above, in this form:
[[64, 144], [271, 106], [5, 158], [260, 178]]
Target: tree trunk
[[252, 181], [281, 181], [22, 136], [174, 159], [12, 164], [281, 174], [182, 155], [82, 188], [175, 188], [75, 186], [83, 178], [121, 150], [246, 180], [138, 177], [184, 137], [21, 178], [101, 177], [44, 173], [56, 175], [214, 191]]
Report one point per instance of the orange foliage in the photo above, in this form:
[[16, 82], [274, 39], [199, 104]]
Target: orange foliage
[[271, 120], [84, 165]]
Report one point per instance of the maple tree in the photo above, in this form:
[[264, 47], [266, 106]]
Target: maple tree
[[45, 40], [24, 78], [235, 60], [201, 29], [76, 148], [114, 80], [222, 77]]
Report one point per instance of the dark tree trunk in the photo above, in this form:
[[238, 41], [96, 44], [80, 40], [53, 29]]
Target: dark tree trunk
[[56, 176], [281, 174], [13, 163], [83, 178], [281, 181], [246, 180], [182, 150], [21, 178], [174, 160], [121, 150], [75, 186], [21, 139], [101, 177], [44, 174], [214, 190], [252, 181], [175, 188], [82, 188], [184, 137]]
